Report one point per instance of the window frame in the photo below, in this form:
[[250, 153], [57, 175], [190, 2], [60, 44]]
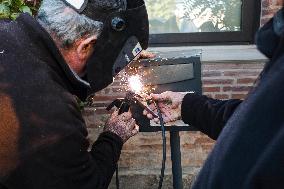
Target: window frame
[[250, 23]]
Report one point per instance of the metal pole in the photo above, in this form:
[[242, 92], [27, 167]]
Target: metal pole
[[176, 159]]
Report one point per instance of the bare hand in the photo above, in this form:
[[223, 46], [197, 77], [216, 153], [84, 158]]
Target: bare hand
[[170, 105], [122, 125], [146, 55]]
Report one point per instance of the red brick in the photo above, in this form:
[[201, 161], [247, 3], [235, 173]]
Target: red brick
[[237, 89], [96, 105], [239, 96], [222, 96], [207, 146], [209, 95], [106, 98], [246, 81], [205, 140], [219, 67], [241, 73], [88, 112], [188, 146], [211, 89], [102, 111], [217, 81], [211, 74], [93, 125], [118, 90]]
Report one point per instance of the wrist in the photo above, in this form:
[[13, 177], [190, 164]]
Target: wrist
[[114, 132], [112, 136]]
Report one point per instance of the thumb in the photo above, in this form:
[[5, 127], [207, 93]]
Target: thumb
[[135, 130], [160, 97], [175, 104], [155, 96]]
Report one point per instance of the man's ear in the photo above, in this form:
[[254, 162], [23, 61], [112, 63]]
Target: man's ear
[[85, 47]]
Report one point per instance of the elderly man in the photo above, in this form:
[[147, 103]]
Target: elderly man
[[250, 134], [73, 49]]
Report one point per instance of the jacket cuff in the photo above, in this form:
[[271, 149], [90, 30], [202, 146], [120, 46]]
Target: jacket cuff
[[188, 109], [113, 137]]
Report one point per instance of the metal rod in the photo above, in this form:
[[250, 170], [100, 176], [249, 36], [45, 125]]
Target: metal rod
[[176, 160]]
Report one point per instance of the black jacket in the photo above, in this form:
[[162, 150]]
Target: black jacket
[[43, 140], [249, 151]]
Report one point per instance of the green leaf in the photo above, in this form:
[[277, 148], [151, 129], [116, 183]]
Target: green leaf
[[25, 9], [14, 15], [7, 2], [4, 11], [18, 3]]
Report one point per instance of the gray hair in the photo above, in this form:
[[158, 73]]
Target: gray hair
[[65, 23]]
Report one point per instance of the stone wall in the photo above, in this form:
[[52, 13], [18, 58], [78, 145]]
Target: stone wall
[[141, 156]]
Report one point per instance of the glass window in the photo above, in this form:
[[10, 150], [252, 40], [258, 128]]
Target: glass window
[[195, 22], [191, 16]]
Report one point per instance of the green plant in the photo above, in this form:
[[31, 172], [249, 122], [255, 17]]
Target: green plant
[[10, 9]]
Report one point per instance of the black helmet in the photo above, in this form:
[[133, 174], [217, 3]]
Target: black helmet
[[124, 35]]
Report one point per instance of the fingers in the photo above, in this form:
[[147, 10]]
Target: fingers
[[167, 120], [152, 107], [175, 104], [165, 96], [159, 97], [149, 116], [145, 112], [127, 118], [131, 124], [135, 130], [146, 55], [122, 125], [156, 120]]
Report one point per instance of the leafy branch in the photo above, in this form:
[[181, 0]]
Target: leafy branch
[[11, 9]]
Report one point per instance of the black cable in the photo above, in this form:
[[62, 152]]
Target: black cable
[[164, 150], [164, 146], [116, 177]]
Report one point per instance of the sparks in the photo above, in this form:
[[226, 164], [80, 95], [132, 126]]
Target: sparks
[[135, 84]]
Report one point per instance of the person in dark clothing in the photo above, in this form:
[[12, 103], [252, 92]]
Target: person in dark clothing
[[250, 134], [47, 65]]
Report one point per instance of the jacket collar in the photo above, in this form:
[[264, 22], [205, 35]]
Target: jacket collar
[[269, 36]]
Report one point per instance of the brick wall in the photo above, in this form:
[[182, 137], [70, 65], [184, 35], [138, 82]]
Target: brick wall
[[227, 80], [141, 156]]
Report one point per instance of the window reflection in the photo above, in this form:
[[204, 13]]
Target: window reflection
[[190, 16]]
